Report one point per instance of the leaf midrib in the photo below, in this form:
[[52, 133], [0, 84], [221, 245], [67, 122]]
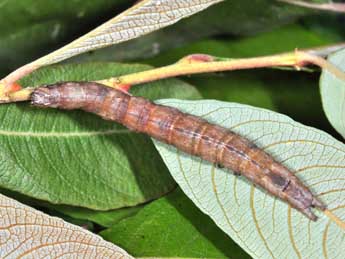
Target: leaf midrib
[[63, 134]]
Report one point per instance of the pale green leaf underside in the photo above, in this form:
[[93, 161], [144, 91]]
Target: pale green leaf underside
[[28, 233], [145, 17], [262, 225], [333, 93]]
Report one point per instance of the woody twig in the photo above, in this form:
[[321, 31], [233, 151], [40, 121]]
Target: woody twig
[[202, 63]]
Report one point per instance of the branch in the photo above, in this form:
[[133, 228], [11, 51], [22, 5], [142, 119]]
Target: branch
[[333, 7], [201, 63], [132, 23]]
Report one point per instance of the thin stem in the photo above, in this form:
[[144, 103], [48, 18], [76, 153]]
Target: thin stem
[[333, 7], [18, 74], [200, 63], [321, 62], [189, 66], [19, 96]]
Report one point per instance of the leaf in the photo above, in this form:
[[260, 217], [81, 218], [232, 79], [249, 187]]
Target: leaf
[[263, 226], [144, 17], [172, 227], [76, 158], [76, 215], [26, 232], [333, 93], [103, 218], [274, 90], [235, 17], [268, 43], [50, 26], [46, 26]]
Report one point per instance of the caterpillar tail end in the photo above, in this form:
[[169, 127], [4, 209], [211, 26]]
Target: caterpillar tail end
[[318, 204], [314, 204], [309, 214]]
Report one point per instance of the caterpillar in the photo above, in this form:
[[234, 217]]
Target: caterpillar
[[191, 134]]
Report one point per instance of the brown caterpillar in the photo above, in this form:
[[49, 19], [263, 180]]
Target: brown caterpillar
[[188, 133]]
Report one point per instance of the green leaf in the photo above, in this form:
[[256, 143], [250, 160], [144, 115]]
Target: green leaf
[[283, 39], [75, 215], [262, 225], [86, 224], [79, 159], [103, 218], [281, 91], [30, 28], [333, 93], [172, 227]]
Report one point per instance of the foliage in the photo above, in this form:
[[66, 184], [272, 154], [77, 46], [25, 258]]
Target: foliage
[[332, 92], [117, 183], [177, 226], [126, 176], [248, 213]]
